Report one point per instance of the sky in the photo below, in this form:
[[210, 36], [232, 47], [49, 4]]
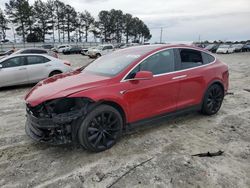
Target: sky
[[180, 20]]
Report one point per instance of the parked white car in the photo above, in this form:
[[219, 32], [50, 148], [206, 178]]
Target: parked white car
[[100, 50], [36, 51], [62, 47], [29, 68], [225, 49]]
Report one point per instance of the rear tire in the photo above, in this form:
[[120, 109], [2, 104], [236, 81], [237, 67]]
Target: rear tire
[[98, 55], [212, 100], [101, 128], [54, 73]]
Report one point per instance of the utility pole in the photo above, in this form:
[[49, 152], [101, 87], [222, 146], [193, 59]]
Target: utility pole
[[161, 35]]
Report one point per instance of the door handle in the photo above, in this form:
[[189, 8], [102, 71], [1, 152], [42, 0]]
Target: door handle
[[22, 68], [48, 65], [179, 77]]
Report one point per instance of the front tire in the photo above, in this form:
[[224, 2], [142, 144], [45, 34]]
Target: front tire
[[212, 100], [101, 128]]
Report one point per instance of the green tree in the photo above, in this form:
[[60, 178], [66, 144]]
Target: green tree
[[60, 17], [116, 24], [104, 24], [3, 25], [70, 20], [86, 21], [20, 13], [128, 26], [42, 17], [50, 6]]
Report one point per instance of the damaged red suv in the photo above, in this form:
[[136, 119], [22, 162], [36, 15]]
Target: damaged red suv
[[93, 106]]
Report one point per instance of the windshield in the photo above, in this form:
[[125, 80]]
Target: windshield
[[112, 64]]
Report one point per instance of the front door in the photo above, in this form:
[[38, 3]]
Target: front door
[[148, 98], [13, 71]]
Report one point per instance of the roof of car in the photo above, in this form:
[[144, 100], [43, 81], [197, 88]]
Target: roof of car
[[16, 55], [154, 47], [32, 49]]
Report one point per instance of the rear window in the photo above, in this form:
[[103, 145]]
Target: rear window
[[190, 58], [207, 58]]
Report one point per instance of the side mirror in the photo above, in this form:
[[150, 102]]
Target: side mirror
[[143, 75]]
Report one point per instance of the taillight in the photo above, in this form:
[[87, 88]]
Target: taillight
[[67, 63]]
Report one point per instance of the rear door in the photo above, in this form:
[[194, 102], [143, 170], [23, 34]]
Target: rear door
[[13, 71], [38, 67], [190, 76]]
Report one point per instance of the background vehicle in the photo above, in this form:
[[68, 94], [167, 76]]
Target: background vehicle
[[212, 47], [123, 88], [60, 48], [29, 68], [72, 50], [36, 51], [84, 51], [246, 48], [8, 52], [47, 46], [225, 49], [100, 50], [238, 47]]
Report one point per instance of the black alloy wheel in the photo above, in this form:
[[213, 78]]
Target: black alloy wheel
[[213, 99], [101, 129]]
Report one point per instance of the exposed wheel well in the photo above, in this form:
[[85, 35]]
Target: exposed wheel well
[[118, 107]]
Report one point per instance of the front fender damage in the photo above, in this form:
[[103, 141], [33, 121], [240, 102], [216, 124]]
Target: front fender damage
[[56, 121]]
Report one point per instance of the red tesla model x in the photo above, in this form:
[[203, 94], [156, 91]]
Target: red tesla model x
[[92, 106]]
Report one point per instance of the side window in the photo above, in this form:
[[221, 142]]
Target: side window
[[110, 47], [162, 62], [32, 60], [159, 63], [105, 48], [190, 58], [38, 51], [207, 58], [13, 62]]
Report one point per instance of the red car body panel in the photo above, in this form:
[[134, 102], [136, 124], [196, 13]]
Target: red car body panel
[[139, 99]]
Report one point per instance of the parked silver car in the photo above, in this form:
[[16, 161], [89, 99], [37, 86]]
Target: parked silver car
[[36, 51], [29, 68]]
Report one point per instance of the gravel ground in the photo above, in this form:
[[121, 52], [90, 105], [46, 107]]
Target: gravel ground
[[158, 155]]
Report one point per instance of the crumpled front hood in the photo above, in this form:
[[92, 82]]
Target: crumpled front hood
[[63, 85]]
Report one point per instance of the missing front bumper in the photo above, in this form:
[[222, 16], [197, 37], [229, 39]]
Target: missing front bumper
[[51, 134]]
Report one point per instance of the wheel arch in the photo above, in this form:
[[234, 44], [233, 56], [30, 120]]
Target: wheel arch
[[118, 107], [218, 82], [55, 70]]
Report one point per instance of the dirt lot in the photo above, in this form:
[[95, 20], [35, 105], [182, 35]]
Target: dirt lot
[[167, 146]]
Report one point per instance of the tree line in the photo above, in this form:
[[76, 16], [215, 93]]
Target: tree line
[[53, 17]]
